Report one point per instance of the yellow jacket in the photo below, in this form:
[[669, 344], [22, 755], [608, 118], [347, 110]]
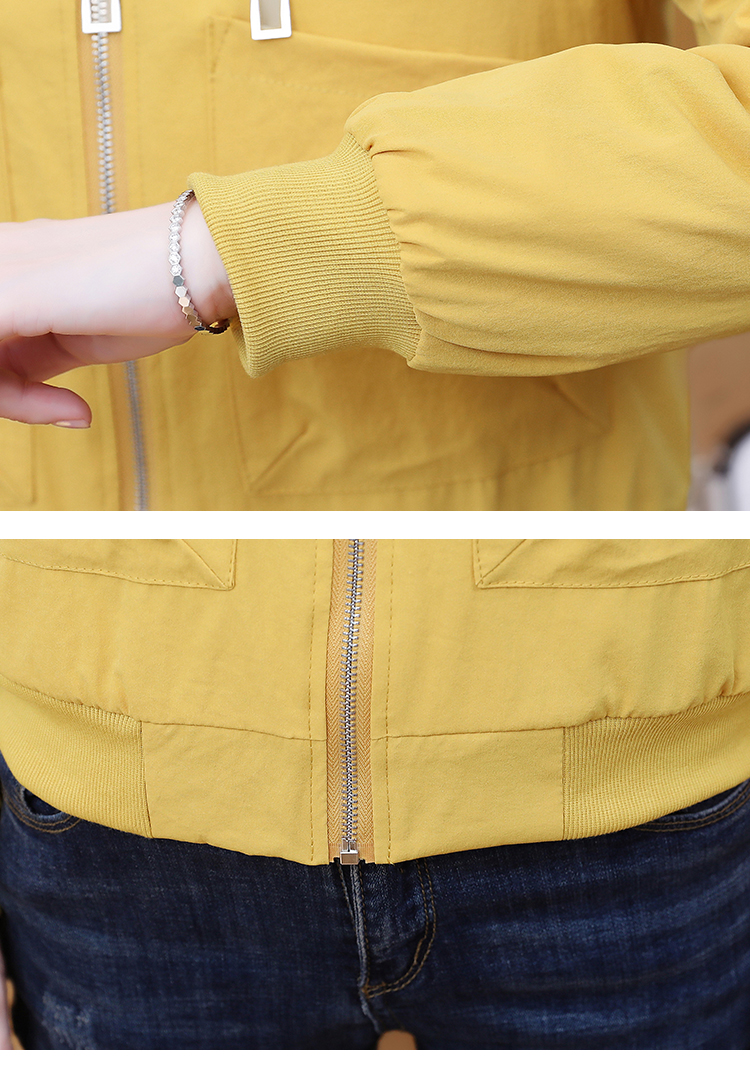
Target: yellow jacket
[[407, 697], [474, 301]]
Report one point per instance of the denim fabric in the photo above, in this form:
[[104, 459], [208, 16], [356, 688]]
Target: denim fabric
[[638, 939]]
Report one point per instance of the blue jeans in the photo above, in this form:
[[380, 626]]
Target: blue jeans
[[637, 939]]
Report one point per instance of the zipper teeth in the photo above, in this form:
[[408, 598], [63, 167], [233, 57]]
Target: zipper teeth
[[348, 690], [100, 47], [99, 43]]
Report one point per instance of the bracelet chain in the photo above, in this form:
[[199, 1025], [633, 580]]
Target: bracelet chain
[[175, 266]]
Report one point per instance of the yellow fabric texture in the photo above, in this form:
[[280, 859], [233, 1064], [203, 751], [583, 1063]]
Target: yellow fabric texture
[[528, 202], [521, 690]]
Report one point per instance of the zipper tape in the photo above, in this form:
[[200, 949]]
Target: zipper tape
[[348, 699]]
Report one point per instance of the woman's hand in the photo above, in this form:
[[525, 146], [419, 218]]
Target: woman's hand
[[6, 1044], [95, 290]]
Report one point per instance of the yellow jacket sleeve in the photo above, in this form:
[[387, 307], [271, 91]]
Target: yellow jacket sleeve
[[718, 21], [549, 216]]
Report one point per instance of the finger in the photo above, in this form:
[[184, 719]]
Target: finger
[[6, 1044], [39, 404], [46, 356], [36, 358]]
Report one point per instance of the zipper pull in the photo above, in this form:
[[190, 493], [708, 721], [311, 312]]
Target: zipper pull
[[101, 16], [270, 19], [349, 854]]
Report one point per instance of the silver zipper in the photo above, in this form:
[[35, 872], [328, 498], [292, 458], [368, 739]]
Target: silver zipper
[[349, 853], [100, 18], [100, 47]]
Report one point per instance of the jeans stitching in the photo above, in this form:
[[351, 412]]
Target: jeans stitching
[[433, 931], [363, 944], [367, 950], [385, 986], [687, 823], [430, 927], [340, 872], [27, 819]]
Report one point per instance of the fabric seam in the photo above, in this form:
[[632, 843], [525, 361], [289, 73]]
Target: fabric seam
[[388, 698], [147, 805], [309, 695], [716, 702], [483, 573], [72, 705], [227, 581], [123, 577]]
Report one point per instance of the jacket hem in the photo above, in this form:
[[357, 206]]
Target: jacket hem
[[83, 760], [548, 784], [622, 772]]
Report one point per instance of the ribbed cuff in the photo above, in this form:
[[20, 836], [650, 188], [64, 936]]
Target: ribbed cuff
[[311, 257]]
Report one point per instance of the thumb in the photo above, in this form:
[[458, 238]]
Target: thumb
[[38, 403]]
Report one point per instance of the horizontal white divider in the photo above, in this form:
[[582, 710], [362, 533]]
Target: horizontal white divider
[[398, 524]]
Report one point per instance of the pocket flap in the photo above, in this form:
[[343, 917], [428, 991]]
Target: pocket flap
[[604, 563], [190, 563]]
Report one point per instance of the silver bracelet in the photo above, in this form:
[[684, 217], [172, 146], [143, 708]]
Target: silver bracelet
[[183, 296]]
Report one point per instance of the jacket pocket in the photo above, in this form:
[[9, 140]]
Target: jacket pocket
[[277, 102], [283, 101], [589, 564], [208, 564]]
